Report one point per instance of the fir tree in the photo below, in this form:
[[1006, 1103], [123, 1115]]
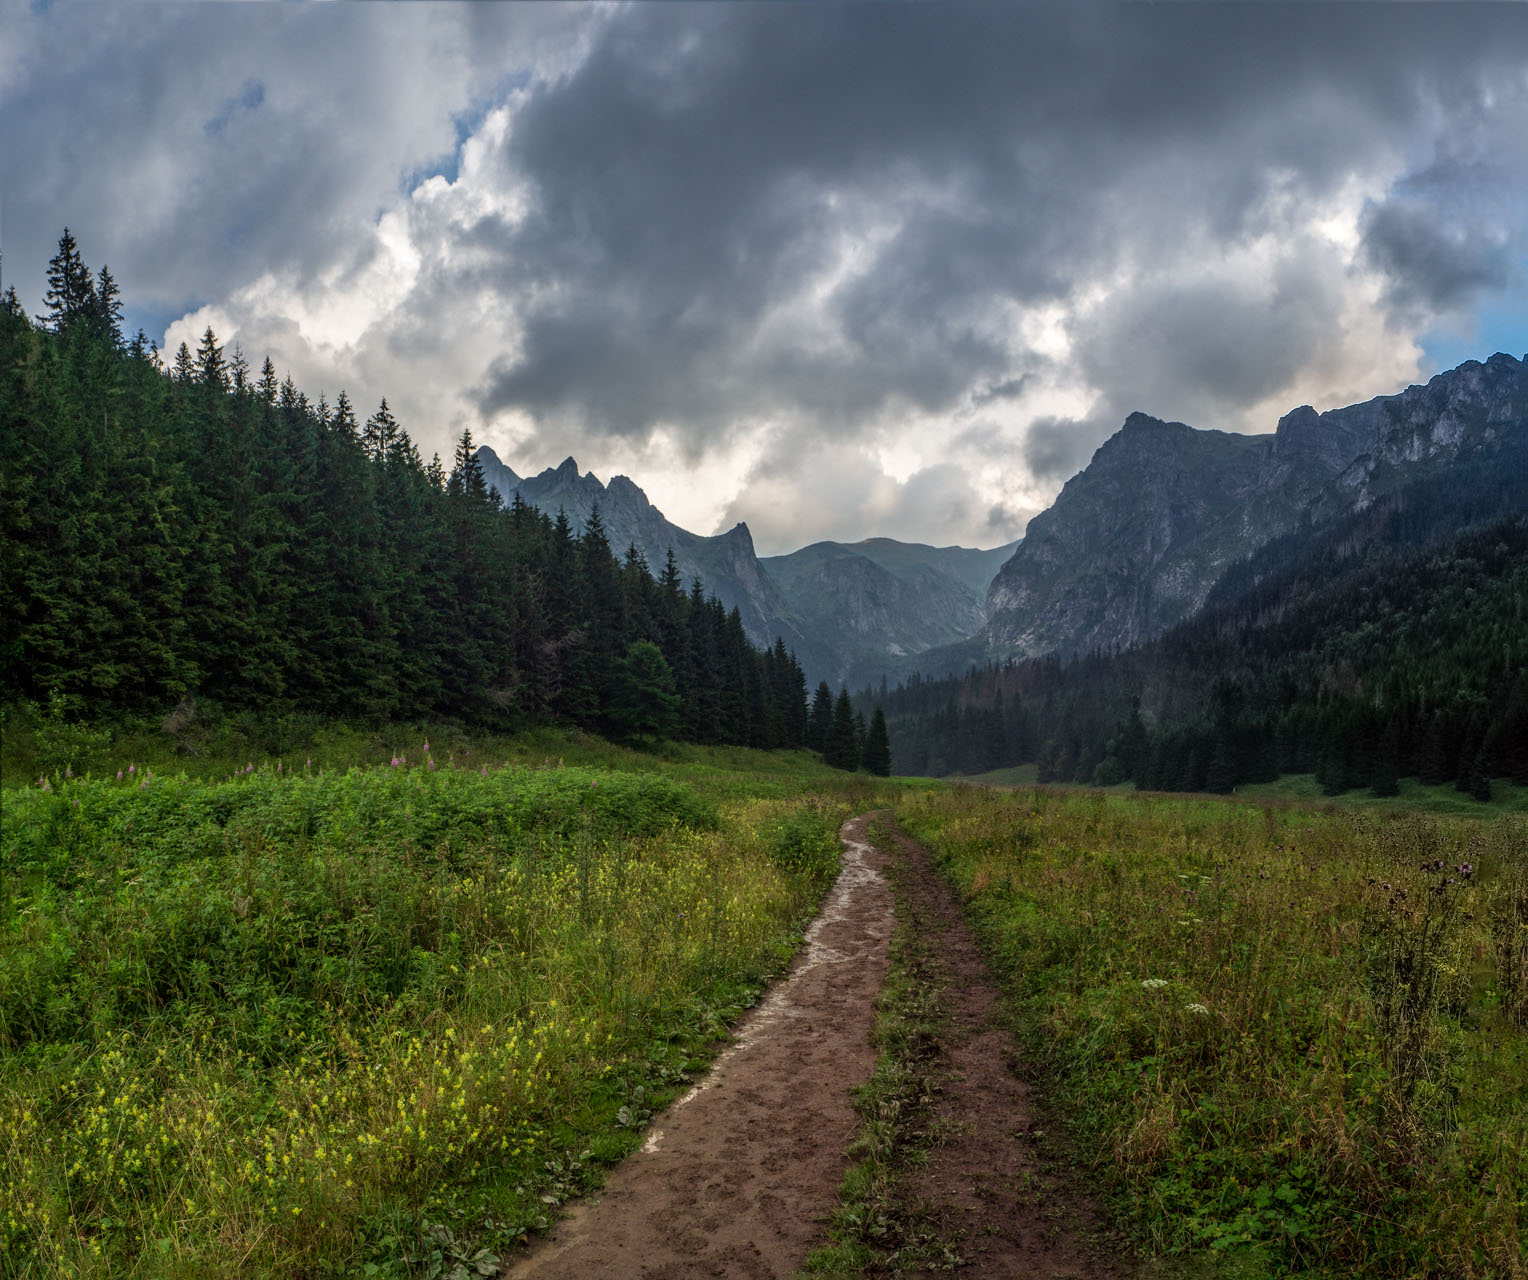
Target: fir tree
[[877, 754], [108, 307], [211, 372], [839, 746], [821, 718], [70, 296], [643, 700]]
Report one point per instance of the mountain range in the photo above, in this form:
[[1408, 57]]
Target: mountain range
[[853, 613], [1347, 598], [1138, 540], [1161, 518]]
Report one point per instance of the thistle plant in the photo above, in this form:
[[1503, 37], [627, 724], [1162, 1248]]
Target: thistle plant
[[1508, 915], [1412, 932]]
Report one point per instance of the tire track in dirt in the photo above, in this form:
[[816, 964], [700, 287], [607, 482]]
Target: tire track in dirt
[[738, 1176]]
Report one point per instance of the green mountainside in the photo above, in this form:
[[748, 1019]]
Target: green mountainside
[[196, 540], [1388, 642]]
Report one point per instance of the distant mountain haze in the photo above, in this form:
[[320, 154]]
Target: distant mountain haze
[[882, 603], [726, 563], [852, 613]]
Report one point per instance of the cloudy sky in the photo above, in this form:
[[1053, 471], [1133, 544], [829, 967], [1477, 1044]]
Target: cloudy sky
[[836, 270]]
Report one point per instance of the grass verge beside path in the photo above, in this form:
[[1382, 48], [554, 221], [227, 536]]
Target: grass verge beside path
[[1297, 1039], [378, 1022], [876, 1229]]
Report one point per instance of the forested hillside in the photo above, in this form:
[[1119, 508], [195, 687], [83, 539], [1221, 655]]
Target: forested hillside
[[1375, 647], [202, 532]]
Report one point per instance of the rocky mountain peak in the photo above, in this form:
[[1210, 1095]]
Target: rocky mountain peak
[[1135, 541], [740, 536]]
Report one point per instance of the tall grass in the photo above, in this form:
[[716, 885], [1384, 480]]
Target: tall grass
[[348, 1023], [1294, 1038]]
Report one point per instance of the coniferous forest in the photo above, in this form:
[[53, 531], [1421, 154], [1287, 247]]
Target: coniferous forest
[[1378, 648], [199, 533]]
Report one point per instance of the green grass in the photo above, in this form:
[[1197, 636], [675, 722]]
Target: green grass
[[1506, 797], [1019, 775], [1278, 1058], [372, 1021], [33, 744], [877, 1226]]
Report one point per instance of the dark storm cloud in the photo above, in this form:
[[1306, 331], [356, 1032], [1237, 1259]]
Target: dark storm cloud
[[1432, 263], [702, 167], [144, 129], [689, 221], [1055, 448]]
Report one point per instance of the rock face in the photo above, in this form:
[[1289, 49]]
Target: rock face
[[852, 613], [879, 602], [1135, 542]]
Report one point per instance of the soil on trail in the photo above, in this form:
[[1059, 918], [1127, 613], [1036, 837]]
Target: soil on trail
[[739, 1175], [992, 1183]]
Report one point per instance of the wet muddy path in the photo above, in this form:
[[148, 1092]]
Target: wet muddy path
[[741, 1175], [736, 1177]]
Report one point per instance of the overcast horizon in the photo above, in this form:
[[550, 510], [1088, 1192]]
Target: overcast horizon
[[838, 271]]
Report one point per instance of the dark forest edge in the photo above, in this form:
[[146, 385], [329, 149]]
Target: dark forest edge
[[1387, 645], [199, 546]]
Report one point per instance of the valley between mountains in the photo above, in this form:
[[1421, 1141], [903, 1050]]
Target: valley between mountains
[[1136, 542], [393, 857]]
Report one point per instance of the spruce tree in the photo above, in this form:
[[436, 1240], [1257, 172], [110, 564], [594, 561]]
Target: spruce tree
[[877, 756], [211, 372], [71, 295], [643, 701], [839, 747], [107, 304], [821, 718]]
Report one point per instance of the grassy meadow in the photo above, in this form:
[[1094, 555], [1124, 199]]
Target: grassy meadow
[[312, 1000], [1297, 1039], [376, 1020]]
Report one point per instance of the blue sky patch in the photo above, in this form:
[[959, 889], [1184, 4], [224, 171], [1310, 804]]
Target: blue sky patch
[[250, 98]]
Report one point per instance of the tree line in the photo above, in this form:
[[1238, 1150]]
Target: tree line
[[1388, 643], [201, 530]]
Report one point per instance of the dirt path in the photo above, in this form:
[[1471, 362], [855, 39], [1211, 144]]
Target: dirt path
[[739, 1177], [736, 1177], [991, 1181]]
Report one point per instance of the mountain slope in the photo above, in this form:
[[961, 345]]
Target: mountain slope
[[1391, 643], [1137, 540], [853, 613], [726, 564], [880, 602]]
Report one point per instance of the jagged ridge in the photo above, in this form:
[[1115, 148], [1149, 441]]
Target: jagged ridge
[[1137, 540]]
